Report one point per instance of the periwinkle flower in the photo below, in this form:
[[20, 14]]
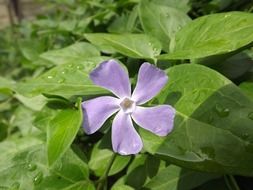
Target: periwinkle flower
[[111, 76]]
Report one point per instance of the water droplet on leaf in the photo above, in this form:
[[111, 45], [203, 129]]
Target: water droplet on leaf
[[31, 167], [70, 65], [38, 178], [250, 115], [79, 67], [50, 77], [221, 111], [61, 80]]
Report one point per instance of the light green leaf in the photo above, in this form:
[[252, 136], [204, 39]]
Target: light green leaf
[[6, 83], [31, 49], [132, 45], [70, 54], [182, 5], [23, 118], [35, 103], [176, 178], [122, 187], [61, 132], [64, 80], [213, 34], [23, 165], [161, 22], [213, 122]]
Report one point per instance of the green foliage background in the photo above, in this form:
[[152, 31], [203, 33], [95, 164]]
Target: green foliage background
[[205, 47]]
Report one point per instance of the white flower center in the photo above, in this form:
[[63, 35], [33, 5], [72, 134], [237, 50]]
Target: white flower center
[[127, 105]]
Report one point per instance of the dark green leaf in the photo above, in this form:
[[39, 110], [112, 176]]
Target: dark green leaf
[[100, 158], [247, 88], [213, 122], [176, 178]]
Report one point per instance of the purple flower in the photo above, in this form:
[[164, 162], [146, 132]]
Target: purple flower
[[158, 119]]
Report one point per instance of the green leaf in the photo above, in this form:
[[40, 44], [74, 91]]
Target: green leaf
[[100, 158], [61, 132], [176, 178], [182, 5], [79, 50], [247, 88], [6, 83], [23, 118], [137, 168], [217, 184], [23, 165], [213, 122], [44, 117], [122, 187], [64, 80], [35, 103], [132, 45], [213, 34], [31, 49], [235, 66], [162, 22]]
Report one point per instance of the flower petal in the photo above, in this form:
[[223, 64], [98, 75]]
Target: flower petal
[[158, 120], [150, 81], [125, 139], [112, 76], [97, 111]]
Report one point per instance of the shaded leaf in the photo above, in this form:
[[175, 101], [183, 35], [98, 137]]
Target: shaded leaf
[[212, 124], [176, 178], [100, 158]]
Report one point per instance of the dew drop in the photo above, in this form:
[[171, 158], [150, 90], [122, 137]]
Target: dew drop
[[70, 65], [15, 186], [50, 77], [250, 115], [221, 111], [228, 15], [79, 67], [38, 178], [61, 80], [31, 167]]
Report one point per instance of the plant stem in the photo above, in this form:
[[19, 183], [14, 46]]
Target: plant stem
[[231, 182], [102, 180]]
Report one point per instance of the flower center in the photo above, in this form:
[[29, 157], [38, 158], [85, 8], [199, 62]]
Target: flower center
[[127, 105]]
